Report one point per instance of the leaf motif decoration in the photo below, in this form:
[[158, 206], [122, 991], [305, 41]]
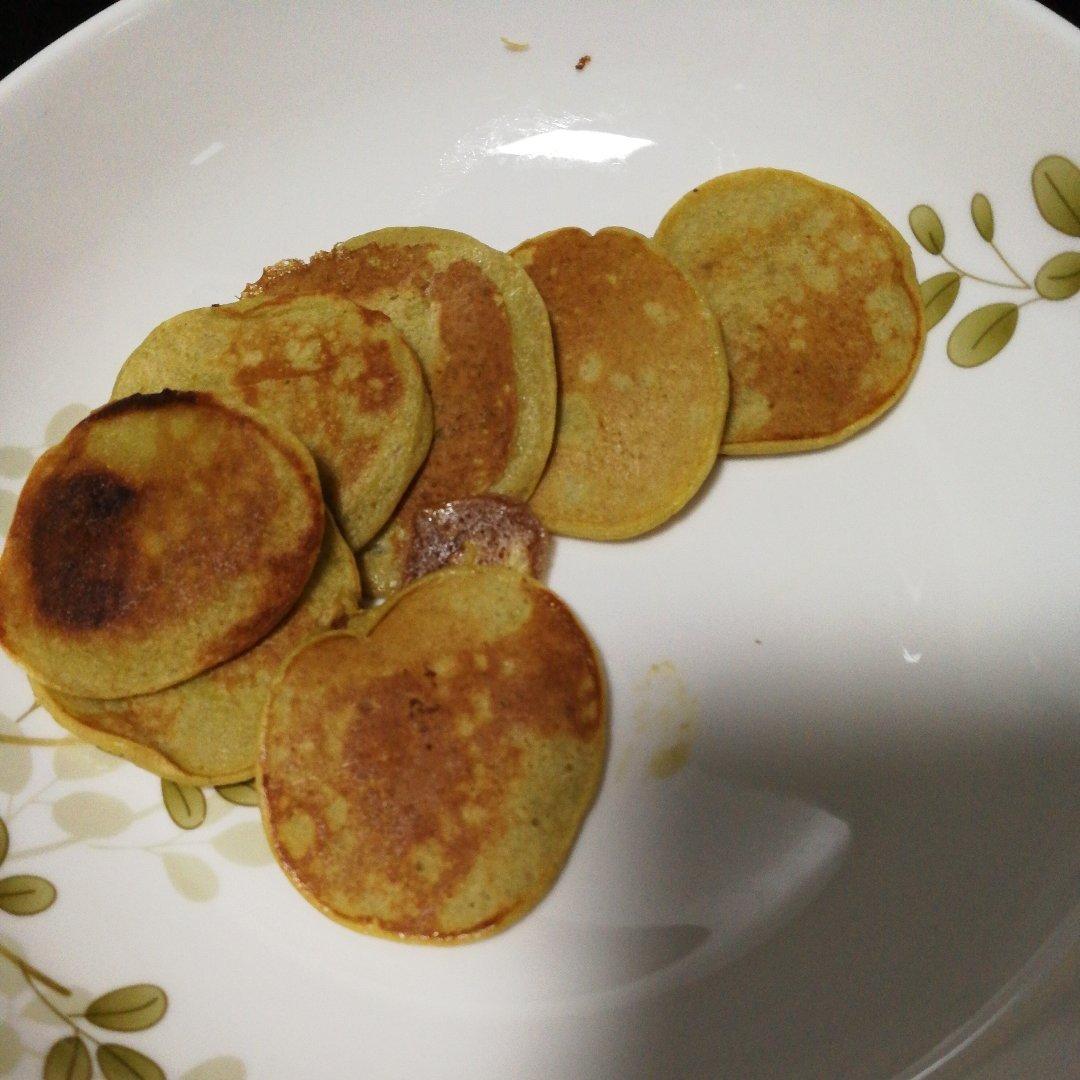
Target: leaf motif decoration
[[90, 815], [928, 229], [81, 761], [18, 765], [938, 296], [982, 213], [7, 510], [219, 1068], [242, 794], [186, 804], [118, 1062], [26, 894], [1055, 182], [131, 1008], [15, 461], [1059, 277], [63, 421], [5, 840], [982, 334], [244, 844], [11, 1048], [36, 1009], [68, 1059], [191, 876], [12, 982]]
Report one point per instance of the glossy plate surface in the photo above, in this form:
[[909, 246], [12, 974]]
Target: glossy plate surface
[[840, 811]]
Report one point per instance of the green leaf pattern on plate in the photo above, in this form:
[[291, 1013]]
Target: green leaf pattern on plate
[[63, 421], [219, 1068], [91, 815], [122, 1063], [68, 1059], [244, 844], [1059, 277], [186, 804], [131, 1008], [36, 1009], [11, 1050], [242, 794], [1055, 182], [192, 877], [982, 213], [26, 894], [938, 296], [7, 510], [15, 461], [982, 334], [81, 761], [928, 229]]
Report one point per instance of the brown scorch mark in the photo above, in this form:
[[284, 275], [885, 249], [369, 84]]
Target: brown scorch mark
[[79, 553]]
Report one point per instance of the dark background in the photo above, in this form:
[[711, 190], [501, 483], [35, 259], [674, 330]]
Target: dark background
[[27, 31]]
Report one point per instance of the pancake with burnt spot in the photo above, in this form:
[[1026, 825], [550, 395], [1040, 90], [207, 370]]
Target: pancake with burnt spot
[[817, 300], [338, 376], [426, 781], [205, 730], [481, 331], [643, 387], [165, 534]]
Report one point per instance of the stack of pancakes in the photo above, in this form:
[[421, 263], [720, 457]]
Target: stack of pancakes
[[407, 416]]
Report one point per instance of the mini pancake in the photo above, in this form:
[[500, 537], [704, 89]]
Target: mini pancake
[[481, 331], [165, 534], [426, 781], [206, 730], [338, 376], [817, 299], [642, 380]]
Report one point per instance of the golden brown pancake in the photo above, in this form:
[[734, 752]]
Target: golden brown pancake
[[338, 376], [481, 331], [205, 730], [817, 299], [426, 782], [165, 534], [643, 388]]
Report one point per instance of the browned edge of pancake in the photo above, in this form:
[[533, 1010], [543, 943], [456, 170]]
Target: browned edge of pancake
[[120, 747], [564, 523], [760, 448], [84, 606], [362, 626]]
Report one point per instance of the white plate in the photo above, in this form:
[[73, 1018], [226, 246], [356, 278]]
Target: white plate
[[869, 655]]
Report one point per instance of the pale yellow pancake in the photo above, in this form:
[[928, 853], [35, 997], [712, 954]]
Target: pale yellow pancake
[[205, 730], [426, 781], [481, 331], [817, 300], [165, 534], [338, 376], [643, 386]]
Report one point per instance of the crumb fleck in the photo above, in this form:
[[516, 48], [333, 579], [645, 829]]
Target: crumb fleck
[[514, 46], [583, 62], [757, 641]]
